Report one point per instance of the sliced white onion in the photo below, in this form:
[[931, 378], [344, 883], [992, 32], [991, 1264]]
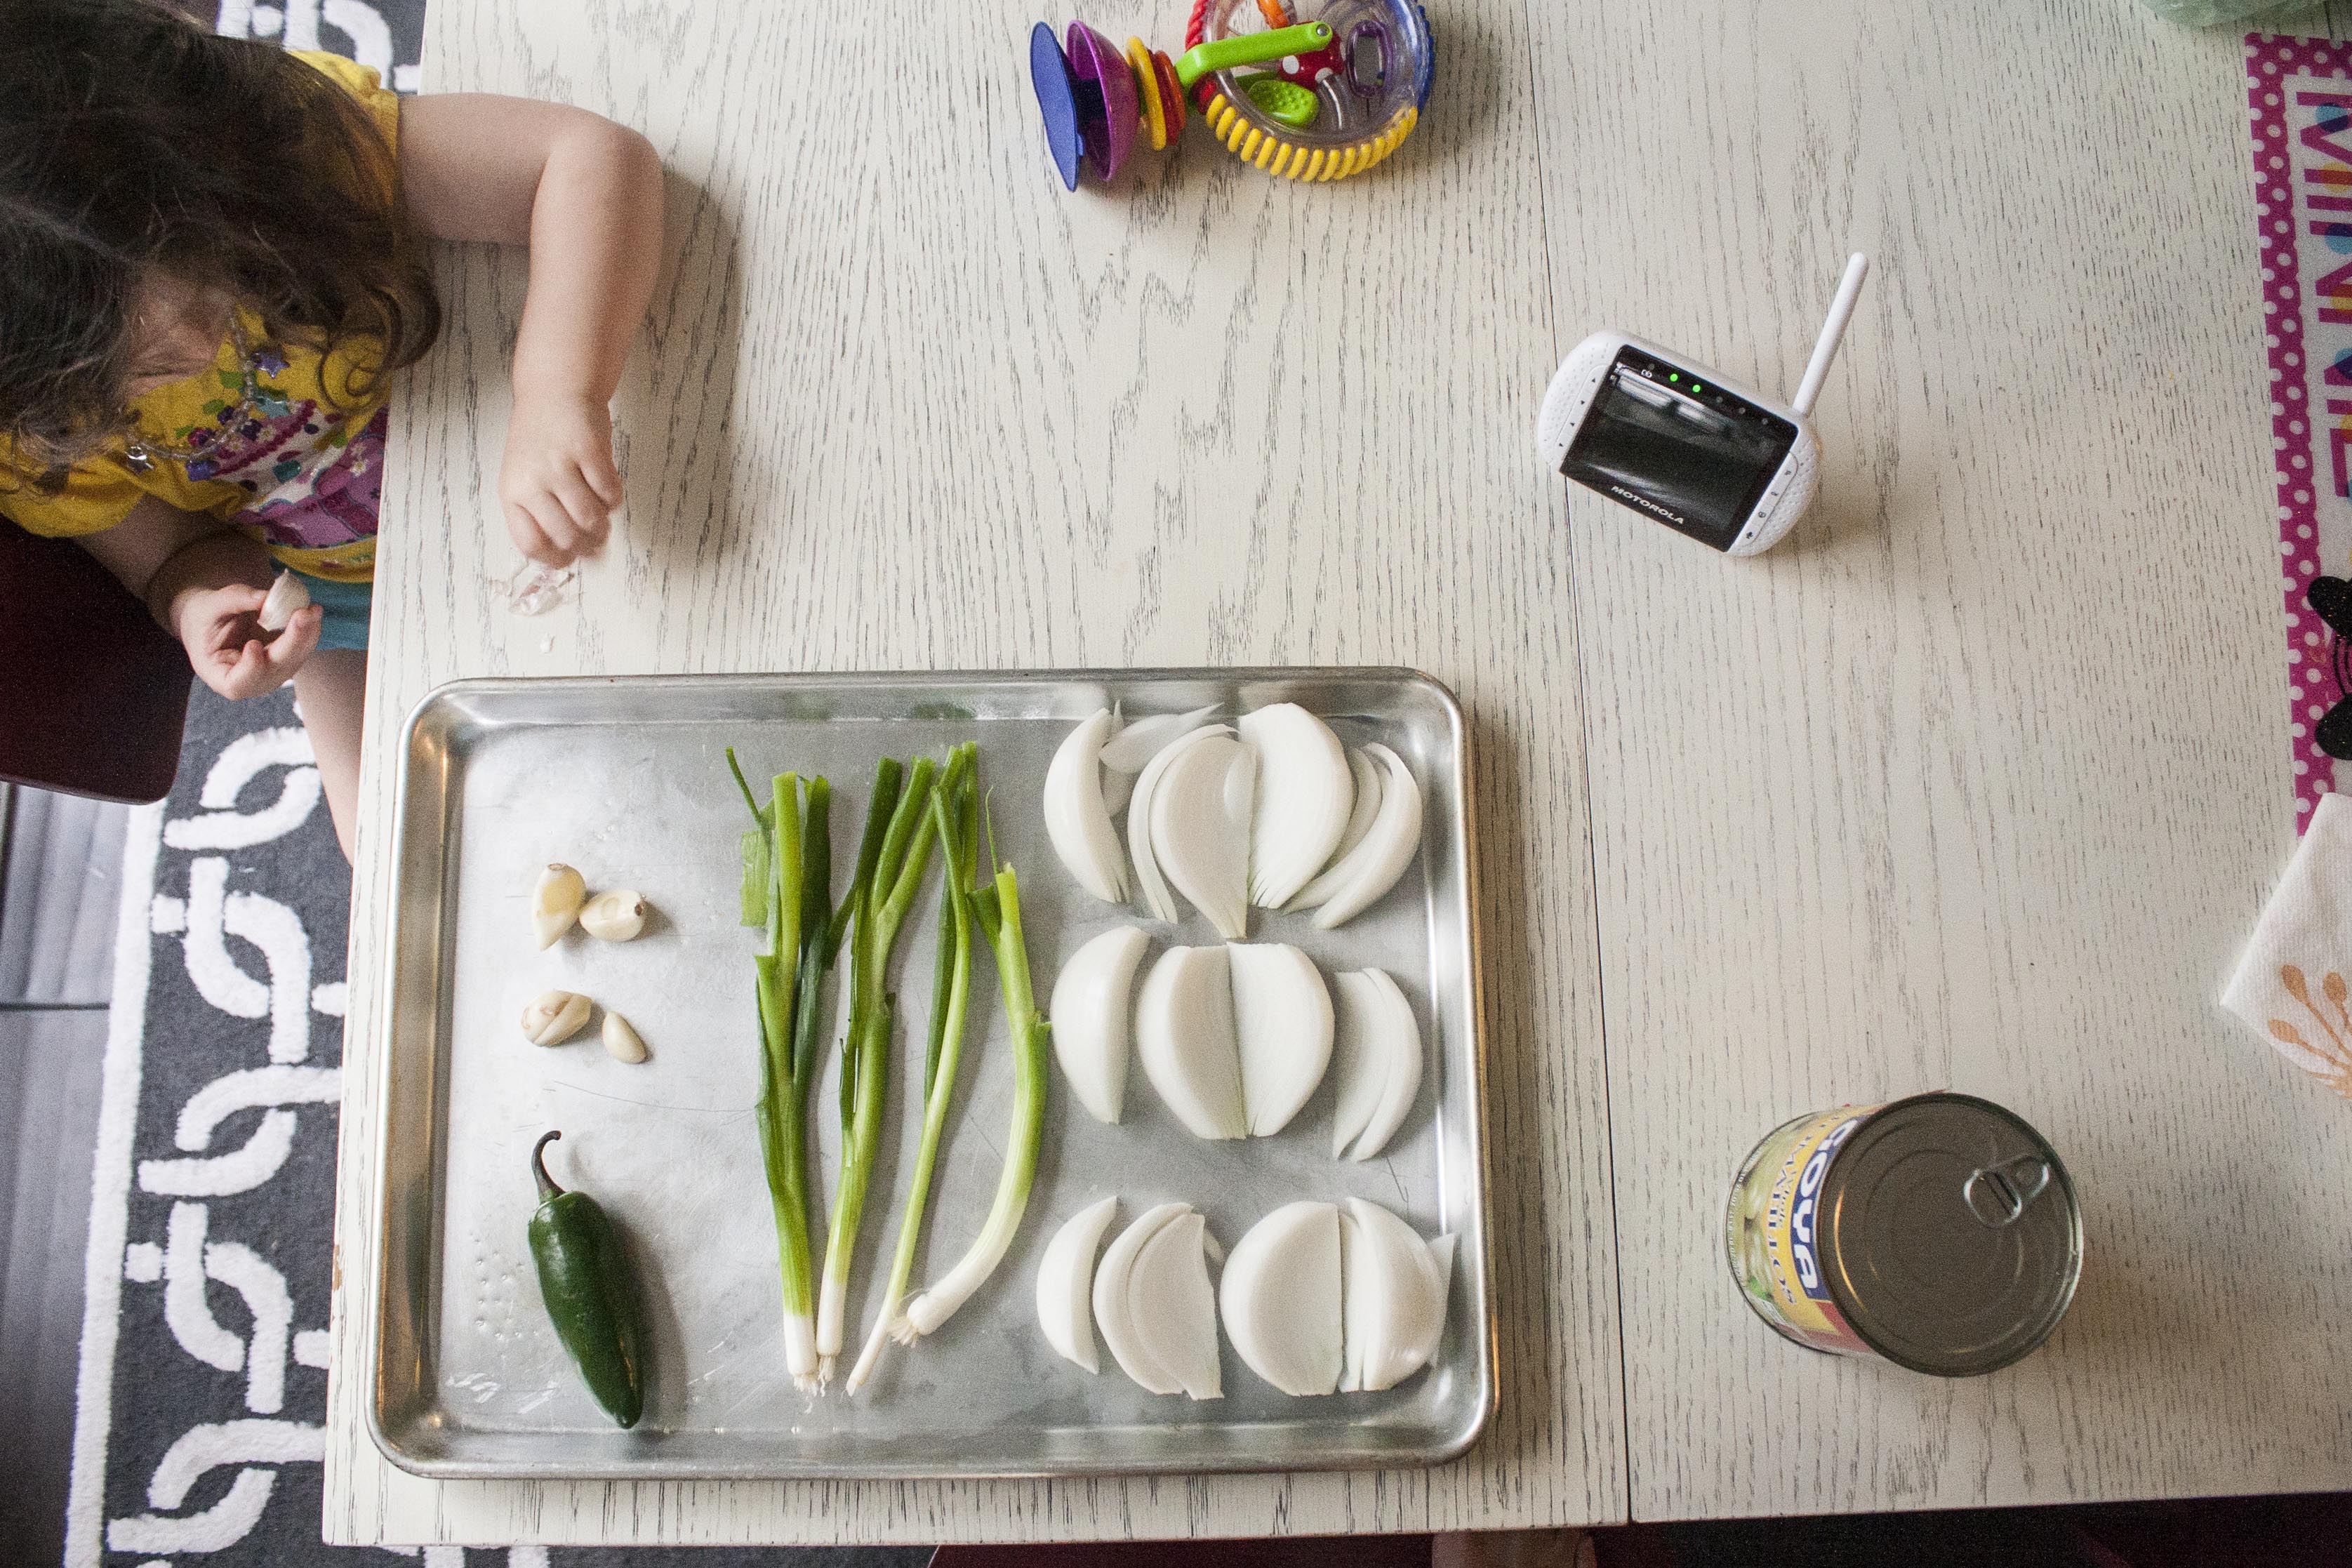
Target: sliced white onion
[[1393, 1296], [1076, 818], [1304, 800], [1379, 1057], [1090, 1012], [1132, 748], [1372, 868], [1066, 1284], [1184, 1038], [1200, 827], [1113, 1313], [1156, 897], [1173, 1310], [1283, 1025], [1367, 775], [1280, 1298]]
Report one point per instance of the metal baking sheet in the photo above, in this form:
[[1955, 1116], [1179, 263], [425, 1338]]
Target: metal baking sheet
[[625, 779]]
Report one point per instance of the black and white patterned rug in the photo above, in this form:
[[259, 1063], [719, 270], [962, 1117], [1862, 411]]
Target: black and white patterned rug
[[203, 1386]]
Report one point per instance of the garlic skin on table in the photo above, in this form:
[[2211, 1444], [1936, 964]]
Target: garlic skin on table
[[555, 1017], [618, 916], [555, 903]]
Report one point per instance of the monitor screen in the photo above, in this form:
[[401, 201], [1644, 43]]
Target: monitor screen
[[1669, 443]]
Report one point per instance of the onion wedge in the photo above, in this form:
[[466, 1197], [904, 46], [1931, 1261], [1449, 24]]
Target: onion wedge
[[1184, 1038], [1380, 1060], [1066, 1284], [1394, 1296], [1280, 1298], [1156, 897], [1172, 1309], [1090, 1011], [1200, 812], [1283, 1026], [1373, 866], [1129, 751], [1113, 1313], [1076, 820], [1305, 794]]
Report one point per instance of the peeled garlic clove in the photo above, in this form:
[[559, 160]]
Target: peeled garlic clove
[[555, 903], [555, 1017], [614, 917], [1372, 868], [1076, 820], [621, 1041], [1156, 897], [1283, 1023], [288, 597], [1199, 829], [1379, 1062], [1305, 794]]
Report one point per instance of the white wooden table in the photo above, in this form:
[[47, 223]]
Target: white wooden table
[[1975, 783]]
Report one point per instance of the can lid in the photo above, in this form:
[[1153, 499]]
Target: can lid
[[1954, 1239]]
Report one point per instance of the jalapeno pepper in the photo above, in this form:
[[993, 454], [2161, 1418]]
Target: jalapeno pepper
[[589, 1290]]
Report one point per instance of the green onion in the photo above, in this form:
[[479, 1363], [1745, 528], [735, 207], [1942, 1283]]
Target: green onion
[[997, 911], [886, 888], [952, 804]]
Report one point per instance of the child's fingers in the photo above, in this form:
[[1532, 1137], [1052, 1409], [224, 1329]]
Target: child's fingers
[[587, 509], [562, 533], [596, 468], [529, 538]]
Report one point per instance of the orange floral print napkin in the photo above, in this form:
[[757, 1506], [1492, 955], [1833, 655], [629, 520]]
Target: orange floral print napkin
[[2291, 985]]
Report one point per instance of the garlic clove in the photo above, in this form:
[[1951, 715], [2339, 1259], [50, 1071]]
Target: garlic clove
[[288, 598], [621, 1041], [555, 903], [555, 1017], [614, 917]]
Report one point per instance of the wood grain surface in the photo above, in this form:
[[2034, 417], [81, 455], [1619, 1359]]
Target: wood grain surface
[[903, 403], [1978, 781]]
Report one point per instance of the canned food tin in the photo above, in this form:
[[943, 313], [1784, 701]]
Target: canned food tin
[[1941, 1232]]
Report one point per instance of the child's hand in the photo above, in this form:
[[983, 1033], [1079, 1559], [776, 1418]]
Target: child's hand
[[558, 484], [225, 641]]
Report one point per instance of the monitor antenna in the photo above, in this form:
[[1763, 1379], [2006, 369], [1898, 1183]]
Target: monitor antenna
[[1857, 267]]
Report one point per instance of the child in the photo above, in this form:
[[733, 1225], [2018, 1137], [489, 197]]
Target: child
[[211, 263]]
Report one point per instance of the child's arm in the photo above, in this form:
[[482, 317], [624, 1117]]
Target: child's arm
[[586, 196], [205, 583]]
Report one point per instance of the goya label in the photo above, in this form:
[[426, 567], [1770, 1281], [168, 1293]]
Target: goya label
[[1774, 1229]]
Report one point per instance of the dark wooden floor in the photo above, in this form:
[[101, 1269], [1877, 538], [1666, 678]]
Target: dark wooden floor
[[60, 860]]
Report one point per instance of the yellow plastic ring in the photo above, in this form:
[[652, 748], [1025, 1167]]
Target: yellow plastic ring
[[1147, 89]]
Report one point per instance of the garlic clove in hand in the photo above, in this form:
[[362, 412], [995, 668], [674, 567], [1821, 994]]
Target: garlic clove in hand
[[288, 597], [555, 1017], [556, 901], [621, 1042], [614, 917]]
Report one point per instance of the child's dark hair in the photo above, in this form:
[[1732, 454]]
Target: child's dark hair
[[132, 143]]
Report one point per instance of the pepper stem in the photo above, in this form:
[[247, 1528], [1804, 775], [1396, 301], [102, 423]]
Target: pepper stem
[[547, 1187]]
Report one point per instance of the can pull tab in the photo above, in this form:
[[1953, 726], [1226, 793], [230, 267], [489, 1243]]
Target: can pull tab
[[1998, 1194]]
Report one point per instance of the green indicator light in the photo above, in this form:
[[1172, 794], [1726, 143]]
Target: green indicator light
[[1671, 376], [1696, 387]]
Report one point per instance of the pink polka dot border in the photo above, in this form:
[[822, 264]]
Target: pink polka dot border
[[2270, 59]]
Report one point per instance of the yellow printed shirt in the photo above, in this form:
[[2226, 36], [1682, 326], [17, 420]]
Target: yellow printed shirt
[[299, 471]]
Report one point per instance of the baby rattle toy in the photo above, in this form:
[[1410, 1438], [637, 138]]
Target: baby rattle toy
[[1335, 96]]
